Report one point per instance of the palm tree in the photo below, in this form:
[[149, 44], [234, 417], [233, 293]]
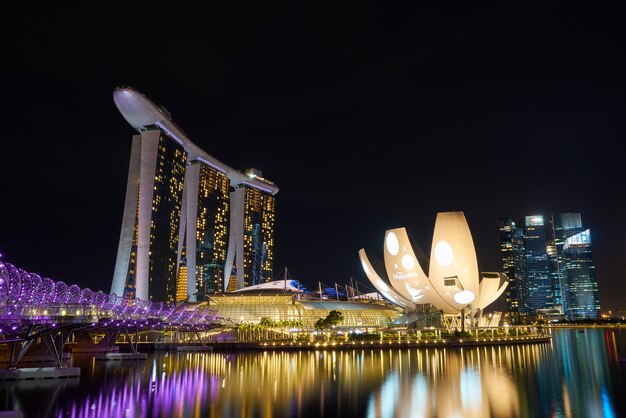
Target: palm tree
[[266, 324]]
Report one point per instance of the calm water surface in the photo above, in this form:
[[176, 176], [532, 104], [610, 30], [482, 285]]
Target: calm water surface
[[577, 375]]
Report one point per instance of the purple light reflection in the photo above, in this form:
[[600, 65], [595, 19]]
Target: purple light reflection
[[175, 392]]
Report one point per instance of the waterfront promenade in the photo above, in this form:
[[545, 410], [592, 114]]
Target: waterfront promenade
[[347, 345]]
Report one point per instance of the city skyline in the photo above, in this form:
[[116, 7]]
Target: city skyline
[[549, 262], [379, 126]]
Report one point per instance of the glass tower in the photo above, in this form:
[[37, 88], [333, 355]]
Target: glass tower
[[211, 230], [507, 233], [538, 280], [521, 277], [549, 268], [576, 269], [166, 210], [529, 259], [258, 237], [555, 277], [147, 259], [580, 288]]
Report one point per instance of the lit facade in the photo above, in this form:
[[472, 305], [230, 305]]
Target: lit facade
[[211, 230], [453, 282], [539, 288], [550, 275], [507, 234], [258, 244], [148, 251], [519, 261], [251, 244], [250, 308], [530, 259], [181, 280], [576, 269], [181, 233]]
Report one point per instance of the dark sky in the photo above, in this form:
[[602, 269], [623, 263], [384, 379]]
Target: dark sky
[[367, 117]]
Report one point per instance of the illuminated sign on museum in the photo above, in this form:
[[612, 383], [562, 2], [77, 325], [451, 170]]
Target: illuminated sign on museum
[[403, 276]]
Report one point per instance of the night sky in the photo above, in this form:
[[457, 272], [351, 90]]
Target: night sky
[[367, 117]]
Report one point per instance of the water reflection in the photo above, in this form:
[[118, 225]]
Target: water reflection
[[460, 388], [578, 375]]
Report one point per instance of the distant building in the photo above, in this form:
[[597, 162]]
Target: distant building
[[539, 288], [519, 259], [550, 268], [579, 287], [187, 216], [564, 225], [507, 235]]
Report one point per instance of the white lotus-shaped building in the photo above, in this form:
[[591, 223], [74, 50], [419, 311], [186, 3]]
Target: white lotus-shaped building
[[452, 281]]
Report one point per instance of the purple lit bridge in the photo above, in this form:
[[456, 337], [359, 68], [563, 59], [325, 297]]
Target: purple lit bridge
[[39, 314]]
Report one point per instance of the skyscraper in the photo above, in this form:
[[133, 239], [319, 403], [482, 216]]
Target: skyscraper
[[148, 252], [258, 232], [539, 287], [507, 233], [513, 251], [183, 216], [251, 245], [550, 267], [207, 225], [519, 264], [576, 269]]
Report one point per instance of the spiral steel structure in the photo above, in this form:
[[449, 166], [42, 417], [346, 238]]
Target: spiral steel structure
[[27, 299]]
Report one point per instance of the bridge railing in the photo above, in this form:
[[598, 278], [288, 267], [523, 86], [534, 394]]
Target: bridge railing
[[28, 296]]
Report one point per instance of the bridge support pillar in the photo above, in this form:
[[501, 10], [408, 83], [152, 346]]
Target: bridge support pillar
[[134, 347]]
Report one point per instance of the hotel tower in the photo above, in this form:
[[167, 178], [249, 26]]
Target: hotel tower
[[192, 225]]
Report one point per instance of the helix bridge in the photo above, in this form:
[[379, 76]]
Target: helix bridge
[[41, 311]]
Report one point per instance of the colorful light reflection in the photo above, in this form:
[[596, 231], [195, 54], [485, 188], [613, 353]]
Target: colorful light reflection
[[571, 377]]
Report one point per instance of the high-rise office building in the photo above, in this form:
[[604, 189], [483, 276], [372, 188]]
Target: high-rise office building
[[550, 267], [524, 249], [576, 269], [519, 267], [539, 288], [507, 232], [184, 216], [514, 262], [555, 277]]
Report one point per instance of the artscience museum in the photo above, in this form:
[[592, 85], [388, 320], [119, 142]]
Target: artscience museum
[[448, 281]]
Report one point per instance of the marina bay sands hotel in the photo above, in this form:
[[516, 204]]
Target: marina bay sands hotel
[[192, 225]]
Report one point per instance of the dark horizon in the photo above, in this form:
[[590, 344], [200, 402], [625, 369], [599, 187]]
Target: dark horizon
[[366, 118]]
